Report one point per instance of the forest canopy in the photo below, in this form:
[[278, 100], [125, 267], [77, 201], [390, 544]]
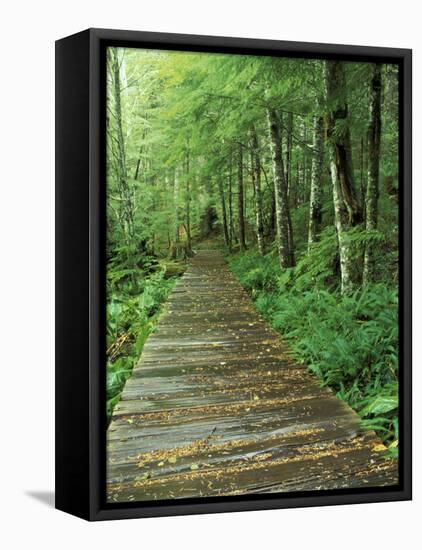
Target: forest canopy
[[288, 165]]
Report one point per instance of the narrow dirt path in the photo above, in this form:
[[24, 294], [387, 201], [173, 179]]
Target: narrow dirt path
[[215, 406]]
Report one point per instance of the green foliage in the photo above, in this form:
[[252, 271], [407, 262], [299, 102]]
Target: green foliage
[[349, 342], [175, 121], [318, 268], [257, 272], [130, 316]]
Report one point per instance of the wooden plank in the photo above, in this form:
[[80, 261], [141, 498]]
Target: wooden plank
[[217, 406]]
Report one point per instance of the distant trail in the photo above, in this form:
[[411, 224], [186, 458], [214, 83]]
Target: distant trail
[[215, 406]]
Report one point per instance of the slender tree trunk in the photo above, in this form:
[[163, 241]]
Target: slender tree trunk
[[340, 139], [280, 190], [256, 180], [289, 153], [168, 207], [138, 163], [315, 200], [126, 202], [240, 203], [296, 201], [223, 212], [305, 163], [230, 182], [362, 174], [141, 150], [175, 248], [188, 200], [372, 192], [289, 221], [347, 210]]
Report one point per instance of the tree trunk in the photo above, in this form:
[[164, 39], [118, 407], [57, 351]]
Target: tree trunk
[[141, 151], [223, 212], [126, 202], [305, 163], [347, 211], [175, 247], [256, 180], [315, 200], [240, 203], [289, 153], [340, 138], [372, 191], [285, 254], [362, 174], [188, 200], [230, 182]]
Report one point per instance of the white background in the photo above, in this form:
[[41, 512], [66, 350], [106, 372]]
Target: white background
[[29, 29]]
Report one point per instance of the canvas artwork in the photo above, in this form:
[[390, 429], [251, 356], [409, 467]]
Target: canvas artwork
[[252, 266]]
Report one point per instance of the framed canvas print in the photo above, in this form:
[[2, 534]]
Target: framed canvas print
[[233, 274]]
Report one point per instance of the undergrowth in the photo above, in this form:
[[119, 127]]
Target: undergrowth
[[134, 296]]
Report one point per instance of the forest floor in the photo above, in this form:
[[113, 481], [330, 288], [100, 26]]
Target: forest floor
[[218, 406]]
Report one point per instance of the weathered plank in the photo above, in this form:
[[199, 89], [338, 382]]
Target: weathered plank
[[217, 406]]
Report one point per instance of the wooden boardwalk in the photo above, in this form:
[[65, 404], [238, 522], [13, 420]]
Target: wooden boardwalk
[[215, 406]]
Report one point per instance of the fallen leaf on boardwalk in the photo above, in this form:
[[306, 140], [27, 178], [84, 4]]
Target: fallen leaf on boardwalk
[[194, 467], [255, 398], [379, 448], [143, 477], [161, 463], [172, 459]]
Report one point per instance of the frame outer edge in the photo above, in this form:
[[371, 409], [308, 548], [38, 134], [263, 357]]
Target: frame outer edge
[[98, 36]]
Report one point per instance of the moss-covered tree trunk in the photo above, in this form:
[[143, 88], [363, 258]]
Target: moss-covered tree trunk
[[175, 249], [289, 145], [126, 205], [188, 201], [372, 190], [256, 180], [240, 200], [284, 240], [232, 235], [347, 210], [315, 199], [223, 212]]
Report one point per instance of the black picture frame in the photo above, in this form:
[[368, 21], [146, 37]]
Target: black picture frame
[[80, 272]]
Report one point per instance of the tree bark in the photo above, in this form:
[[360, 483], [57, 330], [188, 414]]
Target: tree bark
[[175, 247], [188, 200], [372, 191], [256, 180], [315, 200], [289, 153], [305, 163], [285, 253], [240, 203], [230, 183], [362, 174], [223, 212], [123, 186], [339, 134], [347, 211]]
